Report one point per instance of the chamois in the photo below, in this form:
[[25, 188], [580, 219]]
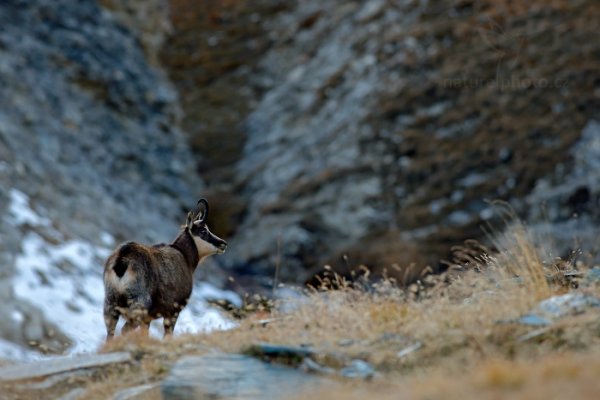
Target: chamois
[[143, 283]]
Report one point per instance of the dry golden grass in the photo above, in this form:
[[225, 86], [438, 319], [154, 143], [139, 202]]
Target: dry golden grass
[[558, 376], [469, 348]]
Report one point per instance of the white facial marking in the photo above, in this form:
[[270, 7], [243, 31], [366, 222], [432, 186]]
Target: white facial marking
[[204, 248]]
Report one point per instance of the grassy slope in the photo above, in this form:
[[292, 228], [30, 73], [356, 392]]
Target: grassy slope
[[466, 352]]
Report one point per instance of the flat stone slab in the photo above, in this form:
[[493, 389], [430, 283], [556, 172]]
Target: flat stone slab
[[235, 376], [44, 368]]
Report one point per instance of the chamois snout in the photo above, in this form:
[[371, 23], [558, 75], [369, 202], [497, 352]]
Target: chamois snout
[[206, 241]]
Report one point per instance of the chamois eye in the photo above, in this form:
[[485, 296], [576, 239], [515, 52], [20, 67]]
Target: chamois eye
[[200, 229]]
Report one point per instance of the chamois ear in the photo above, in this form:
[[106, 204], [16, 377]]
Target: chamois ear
[[202, 210], [189, 220]]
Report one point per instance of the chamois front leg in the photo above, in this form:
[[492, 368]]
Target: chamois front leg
[[169, 322], [111, 317]]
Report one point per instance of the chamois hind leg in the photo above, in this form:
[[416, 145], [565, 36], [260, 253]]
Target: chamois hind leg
[[111, 317], [137, 314], [130, 325], [169, 324], [145, 327]]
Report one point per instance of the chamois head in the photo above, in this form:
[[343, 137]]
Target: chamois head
[[206, 242]]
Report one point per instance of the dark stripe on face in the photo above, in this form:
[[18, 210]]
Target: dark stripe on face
[[202, 231]]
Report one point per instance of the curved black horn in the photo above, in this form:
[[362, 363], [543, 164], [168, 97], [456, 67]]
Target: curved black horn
[[202, 208]]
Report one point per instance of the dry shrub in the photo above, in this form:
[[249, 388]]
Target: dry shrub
[[457, 314]]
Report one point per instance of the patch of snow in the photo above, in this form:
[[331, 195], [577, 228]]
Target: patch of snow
[[17, 316], [20, 213], [12, 351], [107, 240], [73, 300], [208, 291], [290, 298]]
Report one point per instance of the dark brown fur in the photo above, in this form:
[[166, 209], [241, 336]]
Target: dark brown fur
[[143, 283]]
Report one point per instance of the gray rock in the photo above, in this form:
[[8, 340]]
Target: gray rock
[[231, 376], [58, 365], [303, 357], [553, 308], [358, 369], [566, 304], [533, 320], [592, 277]]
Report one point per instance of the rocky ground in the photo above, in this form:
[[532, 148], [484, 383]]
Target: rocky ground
[[509, 326]]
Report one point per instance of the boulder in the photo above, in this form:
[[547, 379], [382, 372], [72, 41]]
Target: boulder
[[231, 376]]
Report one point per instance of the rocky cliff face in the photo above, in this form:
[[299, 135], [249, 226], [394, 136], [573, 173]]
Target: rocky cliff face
[[381, 130], [89, 129], [90, 155]]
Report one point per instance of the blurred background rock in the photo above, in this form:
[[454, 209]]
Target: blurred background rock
[[332, 132]]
